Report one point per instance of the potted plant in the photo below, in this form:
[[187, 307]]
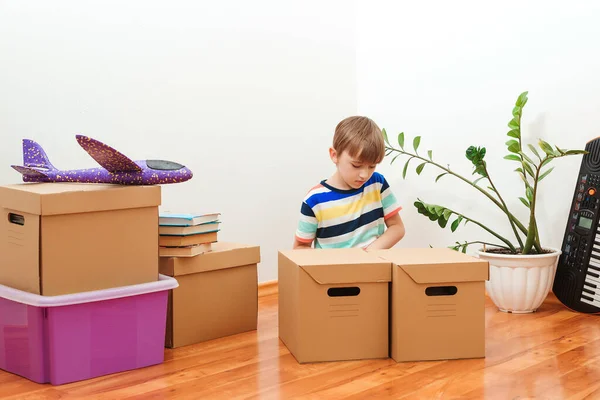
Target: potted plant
[[521, 269]]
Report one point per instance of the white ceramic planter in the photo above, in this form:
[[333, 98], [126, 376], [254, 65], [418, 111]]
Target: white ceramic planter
[[520, 283]]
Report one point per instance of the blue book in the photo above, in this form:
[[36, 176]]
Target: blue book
[[182, 219]]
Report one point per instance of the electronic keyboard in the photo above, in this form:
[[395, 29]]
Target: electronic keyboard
[[577, 279]]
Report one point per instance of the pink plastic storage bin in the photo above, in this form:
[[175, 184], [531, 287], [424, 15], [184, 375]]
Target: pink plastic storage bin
[[68, 338]]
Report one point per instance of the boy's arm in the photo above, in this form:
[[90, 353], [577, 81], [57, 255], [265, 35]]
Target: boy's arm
[[307, 228], [395, 227], [393, 234]]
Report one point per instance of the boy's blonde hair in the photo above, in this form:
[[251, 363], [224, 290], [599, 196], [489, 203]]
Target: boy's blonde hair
[[361, 138]]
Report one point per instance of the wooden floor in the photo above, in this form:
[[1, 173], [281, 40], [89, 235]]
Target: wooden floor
[[552, 354]]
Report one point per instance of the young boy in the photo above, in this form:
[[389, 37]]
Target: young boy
[[355, 205]]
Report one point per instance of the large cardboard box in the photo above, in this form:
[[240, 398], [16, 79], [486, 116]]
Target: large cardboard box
[[333, 304], [64, 238], [217, 294], [437, 304]]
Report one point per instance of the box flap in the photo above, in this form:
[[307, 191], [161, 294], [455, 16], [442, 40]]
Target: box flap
[[340, 266], [70, 198], [437, 265], [223, 255]]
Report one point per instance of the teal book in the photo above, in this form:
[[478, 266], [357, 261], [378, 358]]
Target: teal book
[[186, 219]]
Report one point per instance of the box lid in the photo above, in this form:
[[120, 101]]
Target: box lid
[[223, 255], [335, 266], [436, 265], [70, 198]]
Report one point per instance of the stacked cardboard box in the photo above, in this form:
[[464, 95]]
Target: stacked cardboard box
[[64, 238], [217, 294]]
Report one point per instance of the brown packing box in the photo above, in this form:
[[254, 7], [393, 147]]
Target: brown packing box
[[62, 238], [437, 304], [333, 304], [217, 294]]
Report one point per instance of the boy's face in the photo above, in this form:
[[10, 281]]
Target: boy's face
[[353, 171]]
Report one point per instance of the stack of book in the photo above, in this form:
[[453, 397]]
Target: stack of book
[[186, 235]]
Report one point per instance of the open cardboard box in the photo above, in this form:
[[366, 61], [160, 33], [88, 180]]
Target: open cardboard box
[[65, 238], [333, 304], [217, 294]]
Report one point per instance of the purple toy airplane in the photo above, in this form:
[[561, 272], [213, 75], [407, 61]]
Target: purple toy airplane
[[116, 168]]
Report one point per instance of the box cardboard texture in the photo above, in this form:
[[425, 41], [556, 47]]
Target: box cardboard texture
[[437, 304], [217, 294], [64, 238], [333, 304]]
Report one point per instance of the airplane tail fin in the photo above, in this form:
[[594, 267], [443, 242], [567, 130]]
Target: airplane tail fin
[[34, 156], [30, 174]]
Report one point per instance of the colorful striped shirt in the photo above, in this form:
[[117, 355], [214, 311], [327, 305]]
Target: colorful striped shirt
[[336, 218]]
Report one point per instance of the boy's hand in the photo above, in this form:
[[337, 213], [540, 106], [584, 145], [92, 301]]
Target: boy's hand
[[394, 233], [301, 245]]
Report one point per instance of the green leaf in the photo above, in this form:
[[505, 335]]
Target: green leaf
[[545, 174], [572, 152], [442, 222], [512, 157], [526, 157], [514, 133], [529, 193], [514, 123], [406, 168], [401, 140], [524, 201], [439, 210], [529, 169], [522, 99], [534, 151], [420, 168], [546, 147], [447, 214], [492, 189], [430, 154], [456, 223], [439, 176], [385, 136], [396, 156], [510, 142], [516, 111], [547, 161], [514, 148], [416, 142]]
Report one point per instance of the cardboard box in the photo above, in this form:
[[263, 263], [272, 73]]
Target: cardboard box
[[64, 238], [333, 304], [437, 304], [217, 294]]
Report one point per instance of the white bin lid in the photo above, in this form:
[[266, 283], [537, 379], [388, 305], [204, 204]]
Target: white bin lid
[[164, 283]]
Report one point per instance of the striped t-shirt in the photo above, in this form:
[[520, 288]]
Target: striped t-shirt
[[336, 218]]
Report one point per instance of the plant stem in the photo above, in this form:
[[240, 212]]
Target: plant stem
[[532, 234], [478, 241], [512, 224], [496, 202], [508, 243]]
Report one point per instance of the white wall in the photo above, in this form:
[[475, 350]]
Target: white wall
[[451, 72], [246, 94]]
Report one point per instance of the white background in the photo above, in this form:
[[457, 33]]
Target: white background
[[247, 95]]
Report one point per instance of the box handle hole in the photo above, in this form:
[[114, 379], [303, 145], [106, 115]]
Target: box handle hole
[[441, 291], [16, 219], [343, 291]]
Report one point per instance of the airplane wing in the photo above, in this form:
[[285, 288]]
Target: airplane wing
[[109, 158]]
